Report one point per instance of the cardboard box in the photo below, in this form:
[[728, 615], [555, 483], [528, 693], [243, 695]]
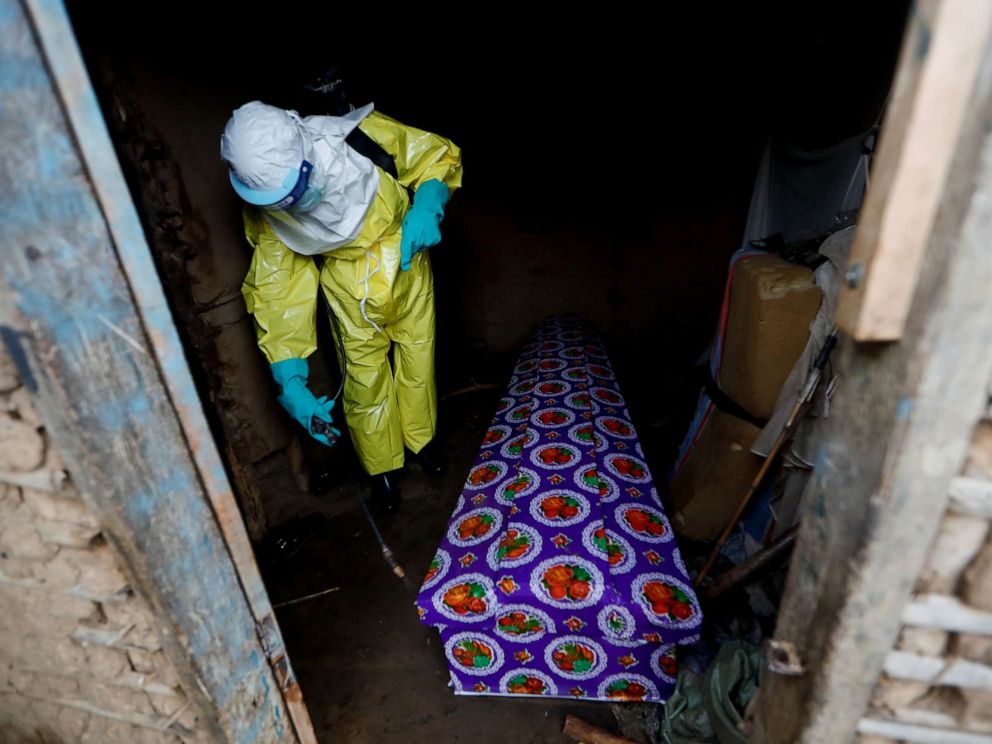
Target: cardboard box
[[772, 303], [714, 477]]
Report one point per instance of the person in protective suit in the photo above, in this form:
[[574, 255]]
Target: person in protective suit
[[319, 215]]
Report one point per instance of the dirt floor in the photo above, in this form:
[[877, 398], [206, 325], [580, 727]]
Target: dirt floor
[[370, 672]]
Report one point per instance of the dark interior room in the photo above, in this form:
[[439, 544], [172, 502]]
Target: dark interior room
[[610, 157]]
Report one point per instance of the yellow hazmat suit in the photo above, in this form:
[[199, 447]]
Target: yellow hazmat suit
[[376, 303]]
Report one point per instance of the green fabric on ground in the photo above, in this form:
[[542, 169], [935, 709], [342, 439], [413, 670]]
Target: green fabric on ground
[[709, 709]]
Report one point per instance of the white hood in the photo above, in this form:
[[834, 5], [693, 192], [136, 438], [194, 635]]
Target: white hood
[[349, 181]]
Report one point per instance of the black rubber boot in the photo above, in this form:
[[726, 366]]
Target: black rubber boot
[[431, 459], [385, 495]]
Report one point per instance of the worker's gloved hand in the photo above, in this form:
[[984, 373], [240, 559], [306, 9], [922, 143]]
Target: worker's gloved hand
[[296, 398], [422, 225]]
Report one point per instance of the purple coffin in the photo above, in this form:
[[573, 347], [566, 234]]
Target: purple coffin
[[558, 574]]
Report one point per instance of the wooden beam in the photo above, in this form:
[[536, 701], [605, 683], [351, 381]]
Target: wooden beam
[[898, 433], [938, 671], [99, 371], [940, 64], [972, 496], [919, 734], [947, 613]]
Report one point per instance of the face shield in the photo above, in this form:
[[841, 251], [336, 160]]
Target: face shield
[[291, 192]]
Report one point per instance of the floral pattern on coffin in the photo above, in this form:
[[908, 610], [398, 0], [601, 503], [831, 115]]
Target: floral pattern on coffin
[[559, 574]]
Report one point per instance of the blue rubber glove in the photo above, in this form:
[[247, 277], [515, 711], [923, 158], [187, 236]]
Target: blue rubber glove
[[422, 224], [296, 398]]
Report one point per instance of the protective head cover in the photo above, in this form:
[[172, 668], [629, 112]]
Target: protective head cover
[[268, 151], [263, 147]]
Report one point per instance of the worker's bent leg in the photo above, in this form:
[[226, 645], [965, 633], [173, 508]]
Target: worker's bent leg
[[370, 405]]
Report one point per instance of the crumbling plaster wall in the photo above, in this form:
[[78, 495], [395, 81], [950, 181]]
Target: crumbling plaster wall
[[80, 655]]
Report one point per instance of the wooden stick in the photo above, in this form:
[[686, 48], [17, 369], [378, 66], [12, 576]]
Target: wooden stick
[[742, 505], [743, 571], [576, 728], [919, 734], [805, 396], [307, 597]]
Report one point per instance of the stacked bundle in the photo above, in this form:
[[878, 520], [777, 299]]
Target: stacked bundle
[[558, 574], [768, 307]]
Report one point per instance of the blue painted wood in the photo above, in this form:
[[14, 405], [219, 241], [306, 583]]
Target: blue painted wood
[[100, 373], [70, 78]]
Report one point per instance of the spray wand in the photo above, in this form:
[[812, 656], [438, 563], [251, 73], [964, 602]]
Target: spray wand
[[319, 426]]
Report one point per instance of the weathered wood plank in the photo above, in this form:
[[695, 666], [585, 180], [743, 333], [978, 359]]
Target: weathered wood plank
[[958, 541], [898, 433], [947, 613], [919, 734], [925, 718], [938, 671], [72, 316], [917, 159], [972, 496]]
